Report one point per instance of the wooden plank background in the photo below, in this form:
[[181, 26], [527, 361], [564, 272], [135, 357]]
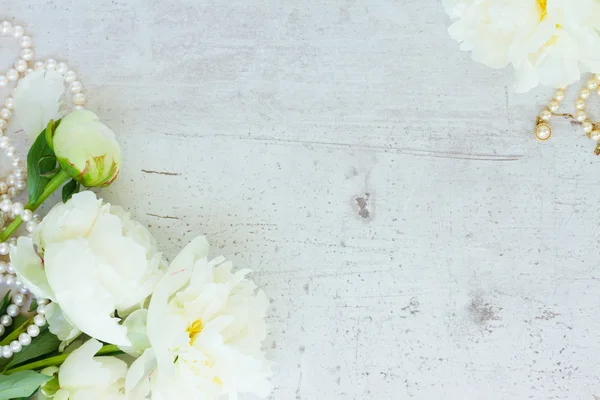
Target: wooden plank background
[[415, 240]]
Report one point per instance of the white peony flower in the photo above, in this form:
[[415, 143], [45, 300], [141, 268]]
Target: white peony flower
[[37, 100], [87, 149], [90, 259], [547, 41], [85, 377], [205, 326]]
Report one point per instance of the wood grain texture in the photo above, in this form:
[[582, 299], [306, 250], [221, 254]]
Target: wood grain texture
[[415, 240]]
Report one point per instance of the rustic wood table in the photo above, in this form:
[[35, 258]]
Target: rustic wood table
[[416, 241]]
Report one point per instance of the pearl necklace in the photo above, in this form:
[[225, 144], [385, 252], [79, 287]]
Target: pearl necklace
[[543, 130], [16, 182]]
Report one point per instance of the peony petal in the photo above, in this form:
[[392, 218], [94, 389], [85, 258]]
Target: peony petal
[[37, 100], [136, 333], [122, 262], [137, 382], [60, 326], [178, 275], [82, 369], [29, 268], [72, 273], [71, 220]]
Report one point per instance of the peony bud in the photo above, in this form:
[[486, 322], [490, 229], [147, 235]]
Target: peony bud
[[87, 149]]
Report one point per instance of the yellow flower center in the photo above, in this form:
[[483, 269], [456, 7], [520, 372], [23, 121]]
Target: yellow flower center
[[194, 330], [543, 8]]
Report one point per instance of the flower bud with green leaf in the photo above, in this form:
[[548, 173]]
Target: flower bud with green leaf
[[87, 149]]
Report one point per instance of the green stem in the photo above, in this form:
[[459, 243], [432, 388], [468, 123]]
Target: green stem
[[56, 182], [58, 360]]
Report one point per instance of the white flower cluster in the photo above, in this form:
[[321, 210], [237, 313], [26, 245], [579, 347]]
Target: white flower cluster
[[192, 330], [547, 41]]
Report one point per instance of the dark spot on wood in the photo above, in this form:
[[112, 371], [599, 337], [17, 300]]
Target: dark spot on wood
[[147, 171], [362, 206], [162, 216]]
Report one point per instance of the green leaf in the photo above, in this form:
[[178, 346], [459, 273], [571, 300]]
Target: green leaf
[[42, 345], [21, 384], [39, 162], [19, 325], [5, 303], [34, 305], [69, 190]]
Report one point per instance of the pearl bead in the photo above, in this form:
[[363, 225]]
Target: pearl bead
[[20, 185], [3, 267], [38, 65], [12, 74], [13, 192], [24, 339], [18, 299], [2, 329], [21, 65], [16, 346], [18, 31], [6, 28], [78, 108], [6, 352], [542, 132], [51, 63], [553, 106], [8, 279], [70, 76], [79, 99], [3, 189], [9, 103], [24, 289], [584, 93], [592, 84], [580, 104], [26, 41], [545, 115], [6, 205], [595, 136], [581, 116], [6, 320], [5, 113], [76, 87], [3, 81], [42, 302], [39, 320], [10, 269], [62, 67], [12, 310], [3, 125], [4, 248], [33, 330], [559, 95], [18, 208], [27, 54], [30, 226], [26, 215]]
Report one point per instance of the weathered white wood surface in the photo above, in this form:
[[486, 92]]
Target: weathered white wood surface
[[417, 242]]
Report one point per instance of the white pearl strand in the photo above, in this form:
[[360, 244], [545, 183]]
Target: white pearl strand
[[16, 182], [543, 131], [19, 300]]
